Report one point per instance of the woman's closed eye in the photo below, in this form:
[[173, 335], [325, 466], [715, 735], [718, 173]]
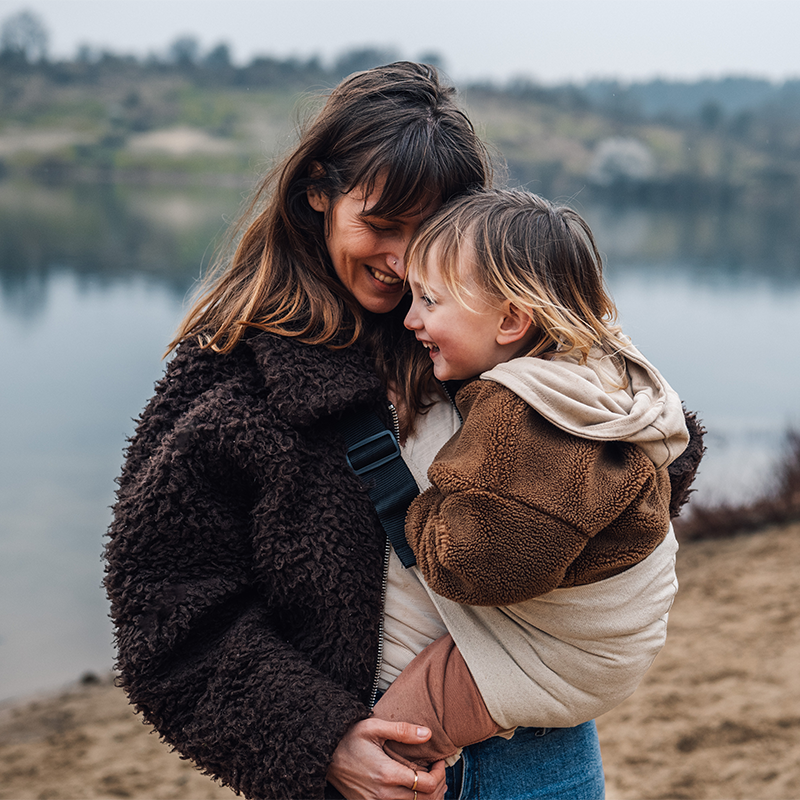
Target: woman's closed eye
[[381, 227]]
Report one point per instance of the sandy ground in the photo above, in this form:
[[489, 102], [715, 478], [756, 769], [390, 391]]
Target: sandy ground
[[179, 141], [718, 716]]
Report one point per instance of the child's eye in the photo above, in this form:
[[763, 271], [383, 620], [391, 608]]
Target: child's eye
[[429, 301]]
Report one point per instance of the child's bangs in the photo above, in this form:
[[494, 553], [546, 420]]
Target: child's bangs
[[418, 254], [443, 241], [452, 246], [462, 272]]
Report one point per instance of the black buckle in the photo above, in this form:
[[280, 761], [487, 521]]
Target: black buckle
[[373, 452]]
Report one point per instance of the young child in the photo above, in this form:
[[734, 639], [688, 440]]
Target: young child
[[557, 479]]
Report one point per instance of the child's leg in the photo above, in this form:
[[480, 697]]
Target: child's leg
[[437, 690]]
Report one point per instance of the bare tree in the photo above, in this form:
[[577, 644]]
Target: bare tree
[[24, 37]]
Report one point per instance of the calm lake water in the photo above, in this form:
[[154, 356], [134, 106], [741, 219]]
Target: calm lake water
[[93, 282]]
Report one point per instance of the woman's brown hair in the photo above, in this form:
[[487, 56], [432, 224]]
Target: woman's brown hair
[[397, 125]]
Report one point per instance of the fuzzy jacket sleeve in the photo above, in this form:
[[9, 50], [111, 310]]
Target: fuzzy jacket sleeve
[[515, 505], [202, 630]]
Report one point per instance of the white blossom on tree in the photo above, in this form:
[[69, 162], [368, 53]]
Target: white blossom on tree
[[621, 158]]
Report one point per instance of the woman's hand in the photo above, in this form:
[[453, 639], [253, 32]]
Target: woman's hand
[[360, 769]]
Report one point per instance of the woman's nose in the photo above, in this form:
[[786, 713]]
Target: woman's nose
[[396, 264]]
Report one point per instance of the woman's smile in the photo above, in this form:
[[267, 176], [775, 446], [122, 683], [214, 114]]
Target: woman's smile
[[390, 281]]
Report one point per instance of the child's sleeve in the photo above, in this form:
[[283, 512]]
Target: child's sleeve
[[436, 690], [514, 502]]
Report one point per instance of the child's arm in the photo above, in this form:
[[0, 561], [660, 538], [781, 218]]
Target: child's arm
[[515, 502], [436, 690]]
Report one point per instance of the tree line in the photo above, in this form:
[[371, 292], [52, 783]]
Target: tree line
[[734, 105], [654, 142], [24, 42]]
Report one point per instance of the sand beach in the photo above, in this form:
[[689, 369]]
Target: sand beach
[[717, 716]]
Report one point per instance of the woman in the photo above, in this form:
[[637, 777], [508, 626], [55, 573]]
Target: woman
[[246, 566]]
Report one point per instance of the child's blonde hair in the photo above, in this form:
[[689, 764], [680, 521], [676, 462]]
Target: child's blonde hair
[[522, 248]]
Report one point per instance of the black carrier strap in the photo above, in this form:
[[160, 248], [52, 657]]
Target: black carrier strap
[[374, 455]]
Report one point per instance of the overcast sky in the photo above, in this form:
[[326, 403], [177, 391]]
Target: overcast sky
[[548, 40]]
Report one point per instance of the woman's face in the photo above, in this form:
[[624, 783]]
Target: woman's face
[[368, 252]]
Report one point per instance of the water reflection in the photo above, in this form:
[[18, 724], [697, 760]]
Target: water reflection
[[74, 376], [92, 284], [712, 245], [104, 234], [108, 232]]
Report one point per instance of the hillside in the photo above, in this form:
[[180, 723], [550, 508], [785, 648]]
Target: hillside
[[114, 118]]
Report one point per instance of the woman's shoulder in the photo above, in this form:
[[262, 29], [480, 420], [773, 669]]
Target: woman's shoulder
[[308, 382], [194, 370], [297, 381]]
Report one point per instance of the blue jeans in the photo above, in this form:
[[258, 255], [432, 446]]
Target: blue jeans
[[563, 764]]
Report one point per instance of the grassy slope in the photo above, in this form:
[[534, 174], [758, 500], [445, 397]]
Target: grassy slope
[[548, 143]]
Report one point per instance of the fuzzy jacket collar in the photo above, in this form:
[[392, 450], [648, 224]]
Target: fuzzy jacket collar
[[306, 383]]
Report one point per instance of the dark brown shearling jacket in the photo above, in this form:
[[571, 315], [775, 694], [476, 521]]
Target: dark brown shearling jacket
[[245, 561]]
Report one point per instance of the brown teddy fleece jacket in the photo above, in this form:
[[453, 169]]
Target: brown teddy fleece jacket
[[520, 505], [517, 504]]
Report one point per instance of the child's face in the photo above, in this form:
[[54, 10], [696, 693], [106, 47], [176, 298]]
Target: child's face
[[462, 342]]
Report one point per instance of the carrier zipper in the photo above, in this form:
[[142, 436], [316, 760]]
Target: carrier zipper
[[379, 665], [395, 422], [385, 582]]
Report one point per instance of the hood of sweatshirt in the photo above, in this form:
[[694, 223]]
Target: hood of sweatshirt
[[617, 396]]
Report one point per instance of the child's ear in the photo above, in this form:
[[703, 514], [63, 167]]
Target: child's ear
[[514, 324], [317, 199]]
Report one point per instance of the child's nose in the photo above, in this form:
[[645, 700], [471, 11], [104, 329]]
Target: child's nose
[[412, 320]]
